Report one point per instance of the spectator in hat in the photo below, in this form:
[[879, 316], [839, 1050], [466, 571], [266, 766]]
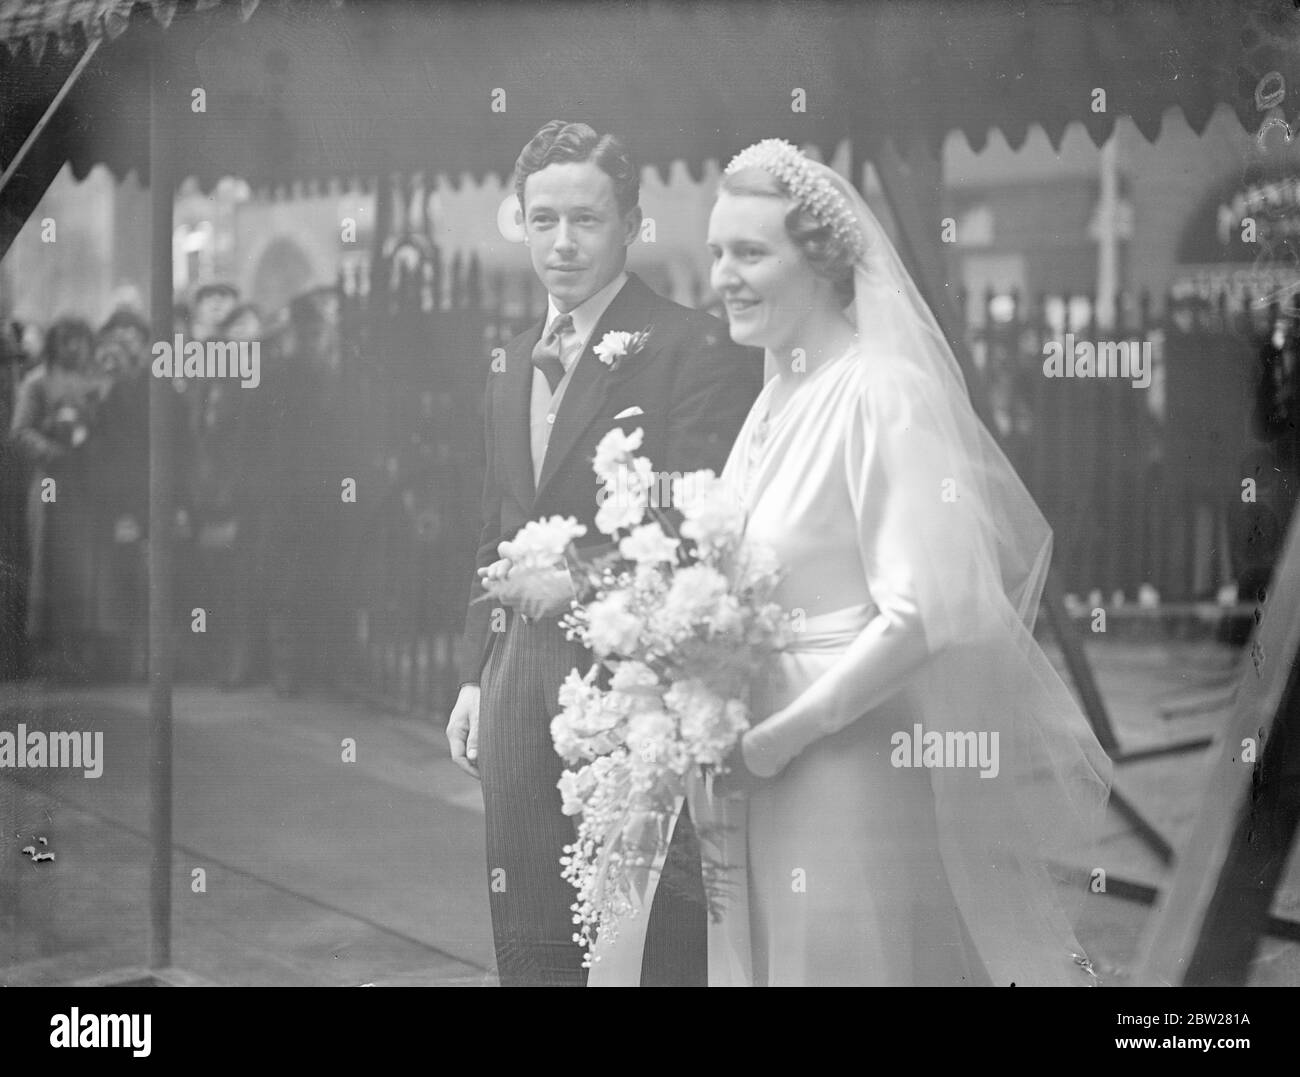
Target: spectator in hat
[[304, 531], [121, 479], [54, 412], [213, 304], [227, 492]]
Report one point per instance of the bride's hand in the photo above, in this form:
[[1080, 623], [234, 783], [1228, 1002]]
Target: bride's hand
[[739, 778]]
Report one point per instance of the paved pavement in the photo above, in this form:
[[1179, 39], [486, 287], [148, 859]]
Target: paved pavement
[[325, 872], [318, 871]]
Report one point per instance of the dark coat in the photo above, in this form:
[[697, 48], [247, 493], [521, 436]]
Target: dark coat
[[693, 384]]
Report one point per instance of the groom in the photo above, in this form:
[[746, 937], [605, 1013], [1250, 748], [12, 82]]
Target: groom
[[689, 389]]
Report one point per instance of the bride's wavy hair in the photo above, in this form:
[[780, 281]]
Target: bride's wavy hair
[[829, 256]]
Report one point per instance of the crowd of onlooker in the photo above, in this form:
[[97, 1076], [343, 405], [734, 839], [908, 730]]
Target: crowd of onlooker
[[256, 527], [279, 564]]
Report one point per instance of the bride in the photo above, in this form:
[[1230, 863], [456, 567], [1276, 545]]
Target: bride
[[912, 802]]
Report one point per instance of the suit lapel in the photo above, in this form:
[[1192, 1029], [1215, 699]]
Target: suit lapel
[[517, 384], [591, 379]]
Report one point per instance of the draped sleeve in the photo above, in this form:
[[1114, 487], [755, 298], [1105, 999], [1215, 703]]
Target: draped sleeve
[[952, 626], [926, 562], [920, 516]]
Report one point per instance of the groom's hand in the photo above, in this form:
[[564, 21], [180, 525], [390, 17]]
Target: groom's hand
[[546, 596], [491, 576], [533, 595], [462, 730]]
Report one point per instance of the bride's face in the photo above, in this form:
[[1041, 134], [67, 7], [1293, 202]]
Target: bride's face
[[768, 286]]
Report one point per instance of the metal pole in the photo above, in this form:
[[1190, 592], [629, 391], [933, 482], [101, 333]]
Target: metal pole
[[34, 138], [161, 516], [1107, 233]]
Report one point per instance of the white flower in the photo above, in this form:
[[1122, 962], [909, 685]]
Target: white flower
[[587, 725], [616, 450], [648, 544], [611, 629], [627, 480], [622, 509], [713, 515], [727, 616], [575, 788], [709, 724], [539, 545], [577, 691], [612, 346], [649, 582], [694, 487], [568, 745], [759, 564], [632, 676], [692, 596], [634, 688], [649, 737]]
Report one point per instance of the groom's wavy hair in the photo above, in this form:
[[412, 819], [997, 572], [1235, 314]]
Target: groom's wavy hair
[[561, 142], [829, 257]]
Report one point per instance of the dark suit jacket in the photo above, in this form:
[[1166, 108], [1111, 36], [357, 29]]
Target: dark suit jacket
[[693, 384]]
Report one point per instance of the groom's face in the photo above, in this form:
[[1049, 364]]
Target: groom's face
[[577, 238]]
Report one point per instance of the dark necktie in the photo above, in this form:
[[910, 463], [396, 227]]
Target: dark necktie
[[546, 354]]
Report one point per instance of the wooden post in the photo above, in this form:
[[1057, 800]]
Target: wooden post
[[1219, 904], [161, 520]]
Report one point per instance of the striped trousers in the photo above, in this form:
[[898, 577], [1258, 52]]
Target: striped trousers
[[532, 918]]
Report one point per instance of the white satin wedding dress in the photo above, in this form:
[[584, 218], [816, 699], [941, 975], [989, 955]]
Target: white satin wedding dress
[[845, 884], [913, 563]]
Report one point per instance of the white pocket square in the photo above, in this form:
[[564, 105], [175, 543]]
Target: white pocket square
[[627, 413]]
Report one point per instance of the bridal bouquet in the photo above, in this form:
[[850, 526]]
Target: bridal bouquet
[[679, 622]]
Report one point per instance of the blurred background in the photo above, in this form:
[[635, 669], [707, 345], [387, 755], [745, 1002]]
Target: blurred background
[[344, 199]]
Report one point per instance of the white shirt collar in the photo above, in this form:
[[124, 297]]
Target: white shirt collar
[[585, 315]]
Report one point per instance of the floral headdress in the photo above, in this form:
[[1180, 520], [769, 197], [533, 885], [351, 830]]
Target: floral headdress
[[807, 187]]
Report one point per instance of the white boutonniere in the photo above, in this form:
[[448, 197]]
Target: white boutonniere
[[618, 344]]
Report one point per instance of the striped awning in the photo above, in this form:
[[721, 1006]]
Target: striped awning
[[310, 93], [69, 25]]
